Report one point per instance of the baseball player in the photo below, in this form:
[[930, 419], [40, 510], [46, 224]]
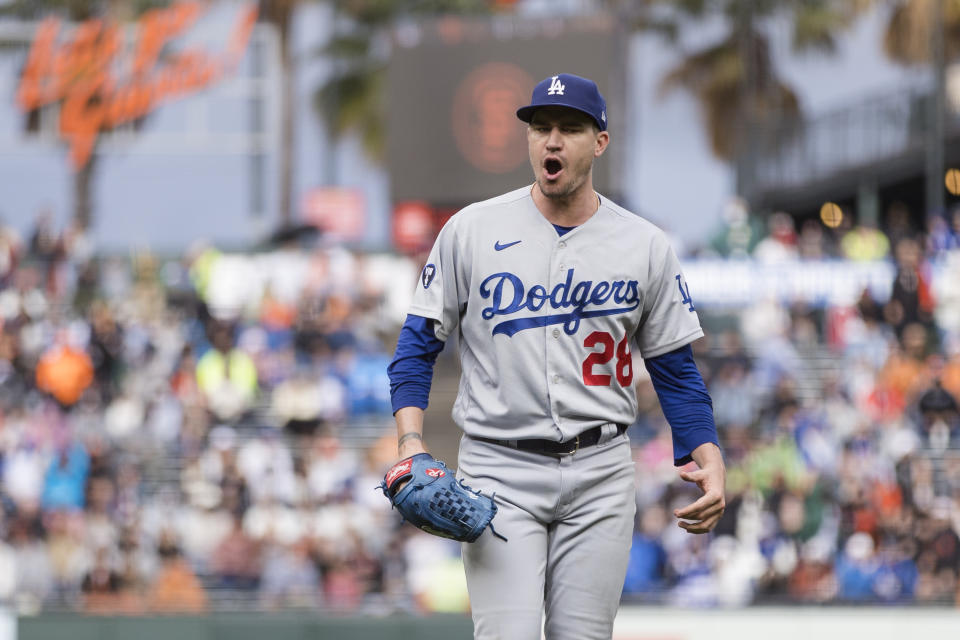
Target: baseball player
[[553, 290]]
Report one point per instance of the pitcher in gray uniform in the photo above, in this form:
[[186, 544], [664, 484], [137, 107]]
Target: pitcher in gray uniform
[[552, 290]]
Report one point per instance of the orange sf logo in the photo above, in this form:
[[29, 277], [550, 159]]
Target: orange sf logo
[[80, 73], [486, 131]]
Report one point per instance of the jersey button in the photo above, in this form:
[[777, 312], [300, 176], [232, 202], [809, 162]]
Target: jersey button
[[556, 379], [556, 333], [562, 245]]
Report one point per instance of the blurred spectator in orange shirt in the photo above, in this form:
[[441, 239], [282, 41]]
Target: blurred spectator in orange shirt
[[64, 371], [275, 314], [950, 376], [176, 588], [904, 371]]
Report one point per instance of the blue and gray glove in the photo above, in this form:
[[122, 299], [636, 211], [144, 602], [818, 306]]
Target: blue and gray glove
[[436, 502]]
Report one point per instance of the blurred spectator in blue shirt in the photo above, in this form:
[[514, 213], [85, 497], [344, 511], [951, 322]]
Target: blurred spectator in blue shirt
[[648, 559], [66, 479], [857, 569]]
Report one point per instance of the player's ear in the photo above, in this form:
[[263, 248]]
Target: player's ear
[[603, 139]]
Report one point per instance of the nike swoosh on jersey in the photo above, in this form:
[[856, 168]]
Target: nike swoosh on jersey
[[501, 247]]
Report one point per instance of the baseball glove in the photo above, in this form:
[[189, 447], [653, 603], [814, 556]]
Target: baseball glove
[[436, 502]]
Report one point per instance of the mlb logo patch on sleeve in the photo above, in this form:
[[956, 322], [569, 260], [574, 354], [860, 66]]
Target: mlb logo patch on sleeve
[[426, 277]]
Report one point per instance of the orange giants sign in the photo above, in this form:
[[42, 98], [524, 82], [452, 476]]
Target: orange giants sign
[[98, 90], [484, 124]]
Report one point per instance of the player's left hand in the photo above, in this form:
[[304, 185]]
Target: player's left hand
[[434, 501], [704, 514]]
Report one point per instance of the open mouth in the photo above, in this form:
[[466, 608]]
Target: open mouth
[[552, 167]]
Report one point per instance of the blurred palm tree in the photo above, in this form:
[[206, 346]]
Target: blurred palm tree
[[279, 13], [927, 33], [734, 79], [910, 31], [352, 99]]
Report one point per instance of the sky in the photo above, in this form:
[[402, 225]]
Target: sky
[[169, 201]]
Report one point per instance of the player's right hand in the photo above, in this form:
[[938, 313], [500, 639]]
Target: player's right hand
[[703, 515]]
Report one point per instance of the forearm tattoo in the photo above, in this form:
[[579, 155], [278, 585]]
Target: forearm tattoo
[[407, 436]]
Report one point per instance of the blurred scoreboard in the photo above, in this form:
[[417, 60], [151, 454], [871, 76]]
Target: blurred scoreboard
[[455, 84]]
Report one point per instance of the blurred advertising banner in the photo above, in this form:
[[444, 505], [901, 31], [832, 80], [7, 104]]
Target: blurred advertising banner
[[339, 212], [454, 86], [414, 226], [738, 283]]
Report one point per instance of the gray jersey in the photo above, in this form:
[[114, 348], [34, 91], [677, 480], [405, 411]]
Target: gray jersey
[[549, 324]]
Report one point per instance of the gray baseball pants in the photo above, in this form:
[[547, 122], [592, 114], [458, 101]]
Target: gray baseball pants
[[569, 524]]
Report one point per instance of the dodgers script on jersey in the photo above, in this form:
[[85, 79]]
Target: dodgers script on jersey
[[550, 324]]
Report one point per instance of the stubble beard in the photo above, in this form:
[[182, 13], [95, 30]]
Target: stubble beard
[[559, 192]]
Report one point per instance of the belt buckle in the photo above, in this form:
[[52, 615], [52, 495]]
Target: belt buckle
[[576, 447]]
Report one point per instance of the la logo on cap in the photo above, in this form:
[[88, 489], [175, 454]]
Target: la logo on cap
[[556, 87]]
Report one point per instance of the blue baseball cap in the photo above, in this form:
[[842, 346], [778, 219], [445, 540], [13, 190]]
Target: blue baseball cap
[[568, 90]]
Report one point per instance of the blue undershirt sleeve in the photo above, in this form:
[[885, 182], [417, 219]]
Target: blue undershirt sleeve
[[411, 371], [685, 401]]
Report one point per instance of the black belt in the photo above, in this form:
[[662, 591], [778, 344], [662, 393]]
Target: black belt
[[586, 439]]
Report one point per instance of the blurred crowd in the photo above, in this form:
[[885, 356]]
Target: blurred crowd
[[207, 432], [840, 430], [194, 433]]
